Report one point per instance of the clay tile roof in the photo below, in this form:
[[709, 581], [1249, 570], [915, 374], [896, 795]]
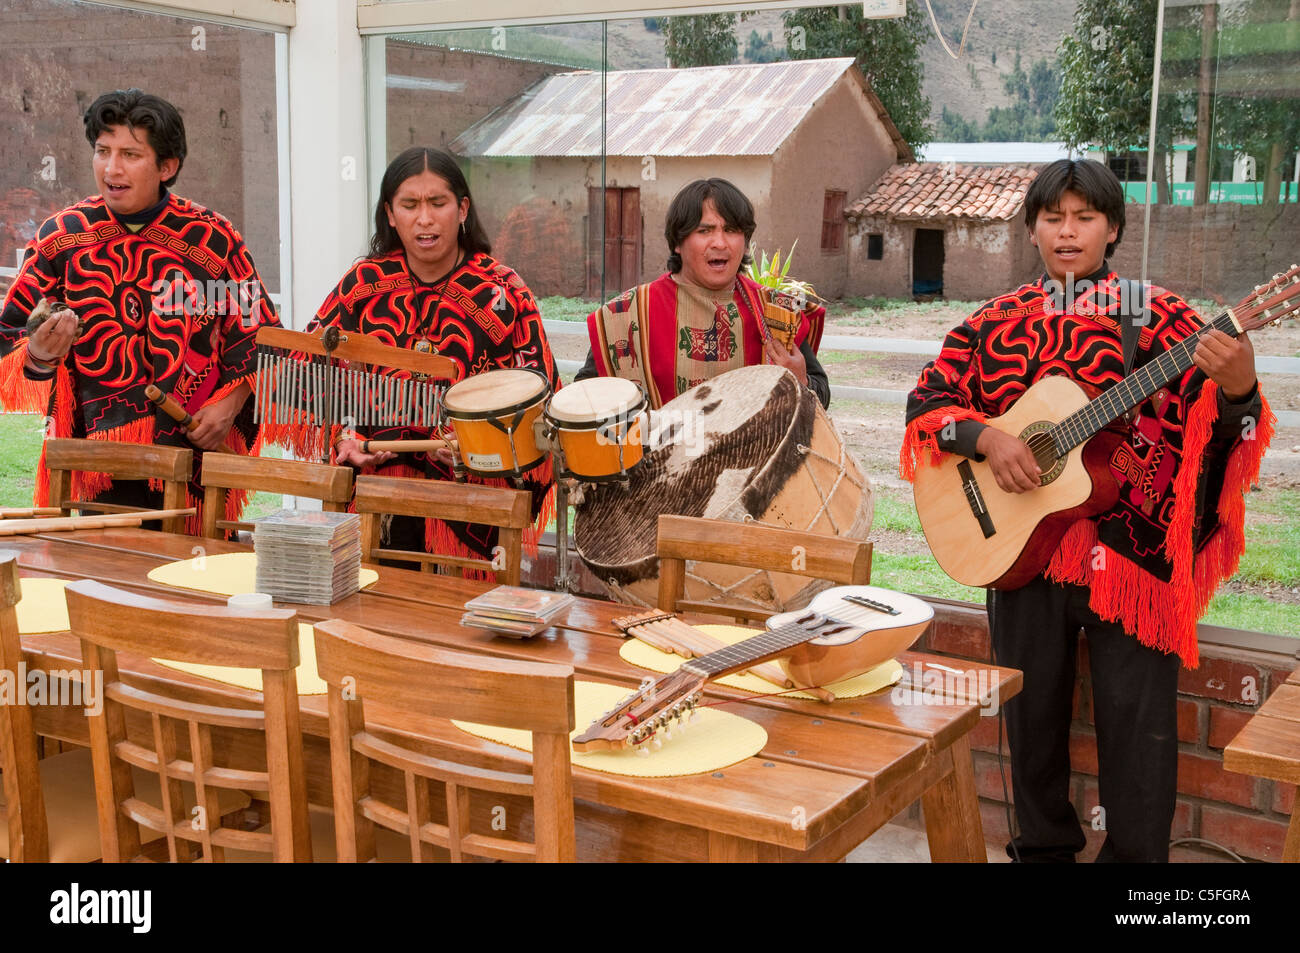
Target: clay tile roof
[[940, 190]]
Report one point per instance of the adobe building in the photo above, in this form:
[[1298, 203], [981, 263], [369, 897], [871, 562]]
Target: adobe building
[[799, 138], [939, 228]]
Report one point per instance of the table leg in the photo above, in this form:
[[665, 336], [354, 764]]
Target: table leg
[[952, 812], [1291, 849], [729, 849]]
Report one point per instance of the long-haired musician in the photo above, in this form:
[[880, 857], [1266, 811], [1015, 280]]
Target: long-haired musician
[[429, 283], [1136, 577], [702, 317]]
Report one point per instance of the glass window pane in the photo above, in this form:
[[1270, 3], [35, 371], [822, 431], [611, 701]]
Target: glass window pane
[[61, 54]]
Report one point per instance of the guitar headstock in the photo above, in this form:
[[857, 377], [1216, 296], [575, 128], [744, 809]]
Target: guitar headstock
[[645, 717], [1269, 303]]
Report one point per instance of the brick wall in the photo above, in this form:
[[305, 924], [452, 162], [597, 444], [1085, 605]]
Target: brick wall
[[1217, 251], [59, 56], [1245, 814]]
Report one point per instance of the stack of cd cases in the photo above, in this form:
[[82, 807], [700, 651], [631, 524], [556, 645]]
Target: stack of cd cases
[[514, 611], [308, 557]]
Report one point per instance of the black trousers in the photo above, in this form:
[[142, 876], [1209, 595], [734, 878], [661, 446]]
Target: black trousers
[[1134, 690]]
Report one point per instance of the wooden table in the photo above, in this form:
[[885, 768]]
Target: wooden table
[[1269, 747], [829, 776]]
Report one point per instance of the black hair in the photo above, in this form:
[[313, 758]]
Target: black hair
[[1092, 180], [473, 239], [137, 109], [687, 209]]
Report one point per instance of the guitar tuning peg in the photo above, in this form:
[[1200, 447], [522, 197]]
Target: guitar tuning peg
[[643, 751], [657, 742], [666, 733]]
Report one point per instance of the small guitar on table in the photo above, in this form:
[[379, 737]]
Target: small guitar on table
[[983, 536], [844, 632]]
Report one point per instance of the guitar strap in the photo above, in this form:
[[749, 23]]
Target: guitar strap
[[1131, 324]]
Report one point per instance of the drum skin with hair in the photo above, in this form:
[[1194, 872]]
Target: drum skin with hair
[[751, 444]]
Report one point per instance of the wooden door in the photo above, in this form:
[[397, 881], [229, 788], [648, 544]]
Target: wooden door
[[614, 231]]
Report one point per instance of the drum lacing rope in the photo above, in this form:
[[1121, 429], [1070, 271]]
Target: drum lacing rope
[[842, 472]]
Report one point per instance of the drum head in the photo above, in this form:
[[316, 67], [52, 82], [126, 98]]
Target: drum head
[[713, 439], [596, 399], [495, 393]]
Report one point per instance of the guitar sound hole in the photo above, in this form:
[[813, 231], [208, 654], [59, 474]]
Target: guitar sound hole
[[1043, 448]]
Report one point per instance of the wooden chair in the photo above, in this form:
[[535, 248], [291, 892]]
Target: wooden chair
[[508, 510], [108, 621], [123, 461], [428, 682], [835, 558], [222, 472], [28, 832]]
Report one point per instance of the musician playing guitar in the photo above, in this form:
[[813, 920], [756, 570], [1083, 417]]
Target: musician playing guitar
[[1134, 578]]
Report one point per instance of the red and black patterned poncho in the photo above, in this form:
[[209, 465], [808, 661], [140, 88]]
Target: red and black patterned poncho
[[1154, 560], [176, 304], [483, 317]]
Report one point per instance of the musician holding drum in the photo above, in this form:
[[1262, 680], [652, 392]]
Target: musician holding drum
[[429, 284], [702, 317], [1136, 576]]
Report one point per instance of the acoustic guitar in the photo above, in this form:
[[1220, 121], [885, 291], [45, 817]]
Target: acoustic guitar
[[845, 631], [983, 536]]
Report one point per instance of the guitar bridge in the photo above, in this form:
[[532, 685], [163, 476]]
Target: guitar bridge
[[872, 604], [975, 498]]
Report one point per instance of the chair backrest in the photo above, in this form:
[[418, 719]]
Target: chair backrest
[[124, 461], [750, 546], [427, 682], [508, 510], [222, 472], [29, 838], [108, 621]]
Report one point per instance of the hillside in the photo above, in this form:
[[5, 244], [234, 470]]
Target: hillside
[[968, 86]]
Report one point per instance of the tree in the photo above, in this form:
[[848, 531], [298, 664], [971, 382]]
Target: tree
[[1106, 81], [705, 40], [888, 52]]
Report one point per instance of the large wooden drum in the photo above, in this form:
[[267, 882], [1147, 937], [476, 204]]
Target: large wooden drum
[[751, 444]]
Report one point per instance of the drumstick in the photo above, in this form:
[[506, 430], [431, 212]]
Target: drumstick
[[406, 446], [62, 524], [178, 413]]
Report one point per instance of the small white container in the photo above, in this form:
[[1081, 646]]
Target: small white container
[[250, 600]]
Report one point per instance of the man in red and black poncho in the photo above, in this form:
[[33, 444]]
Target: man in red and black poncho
[[155, 289], [1137, 577]]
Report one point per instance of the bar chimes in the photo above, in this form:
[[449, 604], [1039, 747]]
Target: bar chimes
[[302, 381]]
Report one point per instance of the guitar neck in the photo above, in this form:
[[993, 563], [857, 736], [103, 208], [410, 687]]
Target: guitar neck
[[751, 651], [1089, 419]]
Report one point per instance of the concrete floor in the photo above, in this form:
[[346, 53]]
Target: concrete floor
[[895, 844]]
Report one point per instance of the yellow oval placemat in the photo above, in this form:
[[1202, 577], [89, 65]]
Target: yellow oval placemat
[[43, 607], [226, 574], [638, 653], [309, 680], [715, 739]]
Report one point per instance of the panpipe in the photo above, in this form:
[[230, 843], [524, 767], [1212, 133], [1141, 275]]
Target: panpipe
[[667, 633], [67, 524], [302, 380]]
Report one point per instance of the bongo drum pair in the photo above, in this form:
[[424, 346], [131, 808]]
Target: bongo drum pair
[[507, 421]]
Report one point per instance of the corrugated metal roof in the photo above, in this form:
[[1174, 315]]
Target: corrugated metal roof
[[938, 190], [707, 111]]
